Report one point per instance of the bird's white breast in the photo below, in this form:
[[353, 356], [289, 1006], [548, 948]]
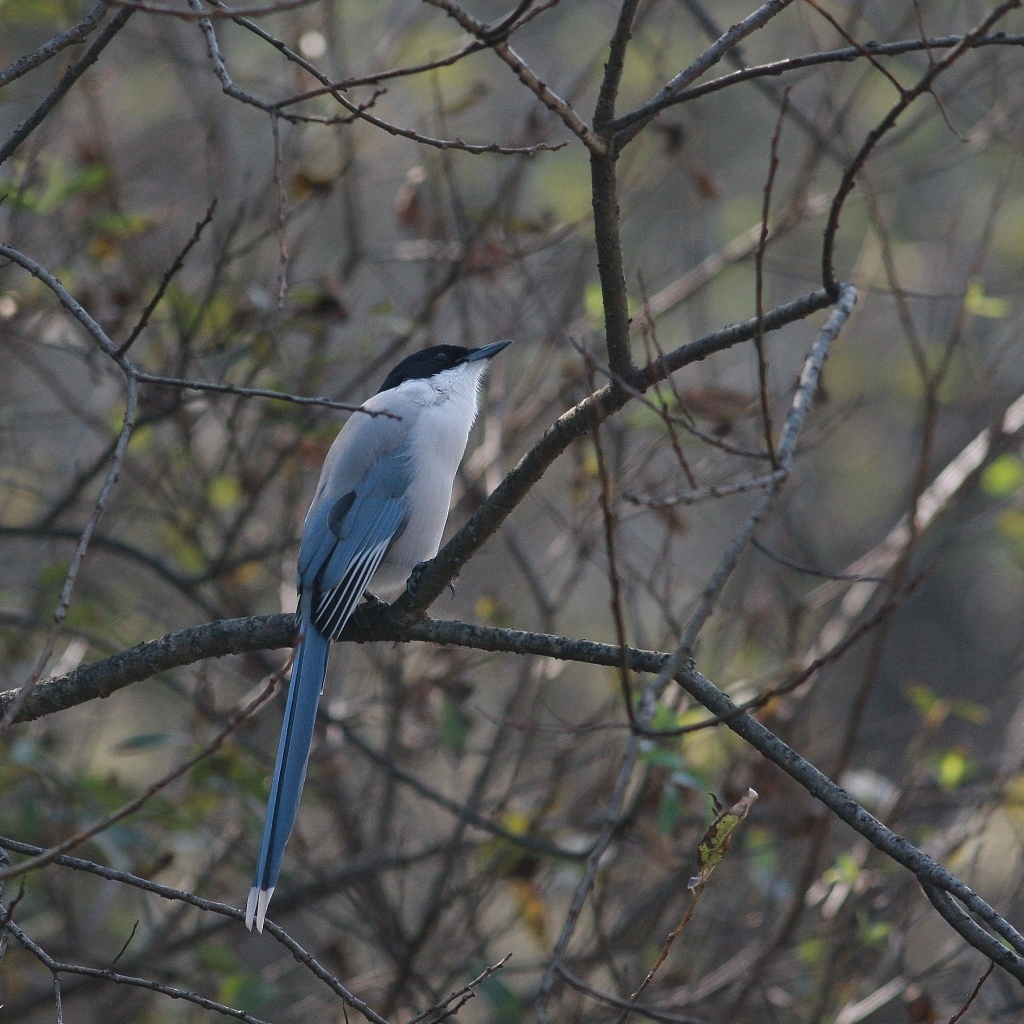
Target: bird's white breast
[[442, 411]]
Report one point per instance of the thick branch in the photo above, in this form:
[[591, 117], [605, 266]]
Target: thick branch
[[102, 678], [845, 807], [268, 632], [604, 192], [236, 636], [605, 109]]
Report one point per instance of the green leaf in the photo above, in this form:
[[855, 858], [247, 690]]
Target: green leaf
[[507, 1006], [952, 770], [846, 871], [228, 766], [1011, 524], [491, 610], [669, 809], [143, 741], [217, 957], [932, 708], [1003, 476], [971, 711], [980, 304], [871, 933], [185, 552], [715, 843], [560, 185], [224, 492], [664, 718], [58, 186], [811, 951], [120, 225], [453, 727], [244, 991], [659, 757], [593, 301], [20, 13], [52, 575]]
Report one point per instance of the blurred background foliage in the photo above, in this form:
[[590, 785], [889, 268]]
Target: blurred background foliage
[[392, 246]]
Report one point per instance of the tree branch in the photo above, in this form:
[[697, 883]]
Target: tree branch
[[843, 55], [236, 636], [42, 54], [73, 73], [628, 127], [907, 97], [445, 566]]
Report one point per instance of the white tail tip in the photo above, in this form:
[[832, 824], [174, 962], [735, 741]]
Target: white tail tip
[[256, 907]]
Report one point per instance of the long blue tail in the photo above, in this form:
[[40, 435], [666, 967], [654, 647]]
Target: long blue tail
[[308, 673]]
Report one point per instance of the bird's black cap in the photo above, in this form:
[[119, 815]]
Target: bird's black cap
[[437, 359]]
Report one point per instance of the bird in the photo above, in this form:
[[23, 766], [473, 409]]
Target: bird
[[379, 511]]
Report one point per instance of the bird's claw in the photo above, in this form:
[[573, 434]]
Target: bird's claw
[[414, 580], [413, 583]]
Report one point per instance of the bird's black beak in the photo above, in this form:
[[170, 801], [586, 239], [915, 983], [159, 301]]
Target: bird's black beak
[[487, 352]]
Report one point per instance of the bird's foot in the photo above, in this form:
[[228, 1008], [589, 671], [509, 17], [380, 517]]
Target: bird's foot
[[373, 601], [413, 583], [412, 586]]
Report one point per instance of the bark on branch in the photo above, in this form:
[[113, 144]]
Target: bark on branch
[[370, 623]]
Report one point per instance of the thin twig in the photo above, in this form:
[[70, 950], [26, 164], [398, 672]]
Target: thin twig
[[58, 967], [650, 1012], [282, 238], [762, 361], [129, 808], [444, 1009], [907, 96], [60, 90], [843, 55], [41, 54], [555, 103], [278, 7], [810, 570], [71, 577], [165, 281], [628, 127], [357, 111], [864, 52], [691, 497], [579, 899], [806, 389], [974, 995], [188, 384]]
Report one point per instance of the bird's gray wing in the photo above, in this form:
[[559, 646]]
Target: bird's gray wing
[[363, 443], [346, 537]]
